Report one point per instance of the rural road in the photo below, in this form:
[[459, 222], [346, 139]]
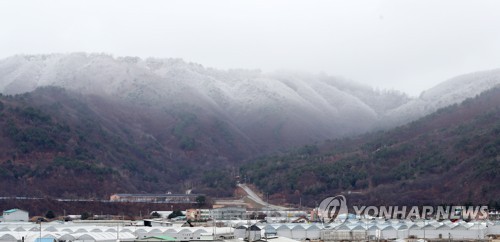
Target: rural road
[[252, 195]]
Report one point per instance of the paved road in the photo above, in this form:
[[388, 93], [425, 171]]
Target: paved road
[[252, 195]]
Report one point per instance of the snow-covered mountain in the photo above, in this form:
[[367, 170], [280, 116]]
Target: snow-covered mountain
[[282, 107], [450, 92]]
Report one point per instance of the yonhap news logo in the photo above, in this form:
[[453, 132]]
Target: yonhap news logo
[[333, 209]]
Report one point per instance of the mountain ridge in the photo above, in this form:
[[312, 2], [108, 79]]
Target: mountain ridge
[[448, 157], [243, 97], [298, 108], [148, 125]]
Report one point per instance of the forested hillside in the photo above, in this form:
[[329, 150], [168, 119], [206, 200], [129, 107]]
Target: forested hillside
[[72, 122], [63, 144], [451, 156]]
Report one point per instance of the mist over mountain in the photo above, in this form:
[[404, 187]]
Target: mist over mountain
[[448, 157], [450, 92], [281, 107], [145, 125]]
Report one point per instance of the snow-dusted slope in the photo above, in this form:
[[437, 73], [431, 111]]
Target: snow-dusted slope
[[452, 91], [281, 107], [268, 107]]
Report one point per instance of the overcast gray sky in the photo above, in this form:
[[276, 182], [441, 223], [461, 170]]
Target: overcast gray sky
[[403, 45]]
